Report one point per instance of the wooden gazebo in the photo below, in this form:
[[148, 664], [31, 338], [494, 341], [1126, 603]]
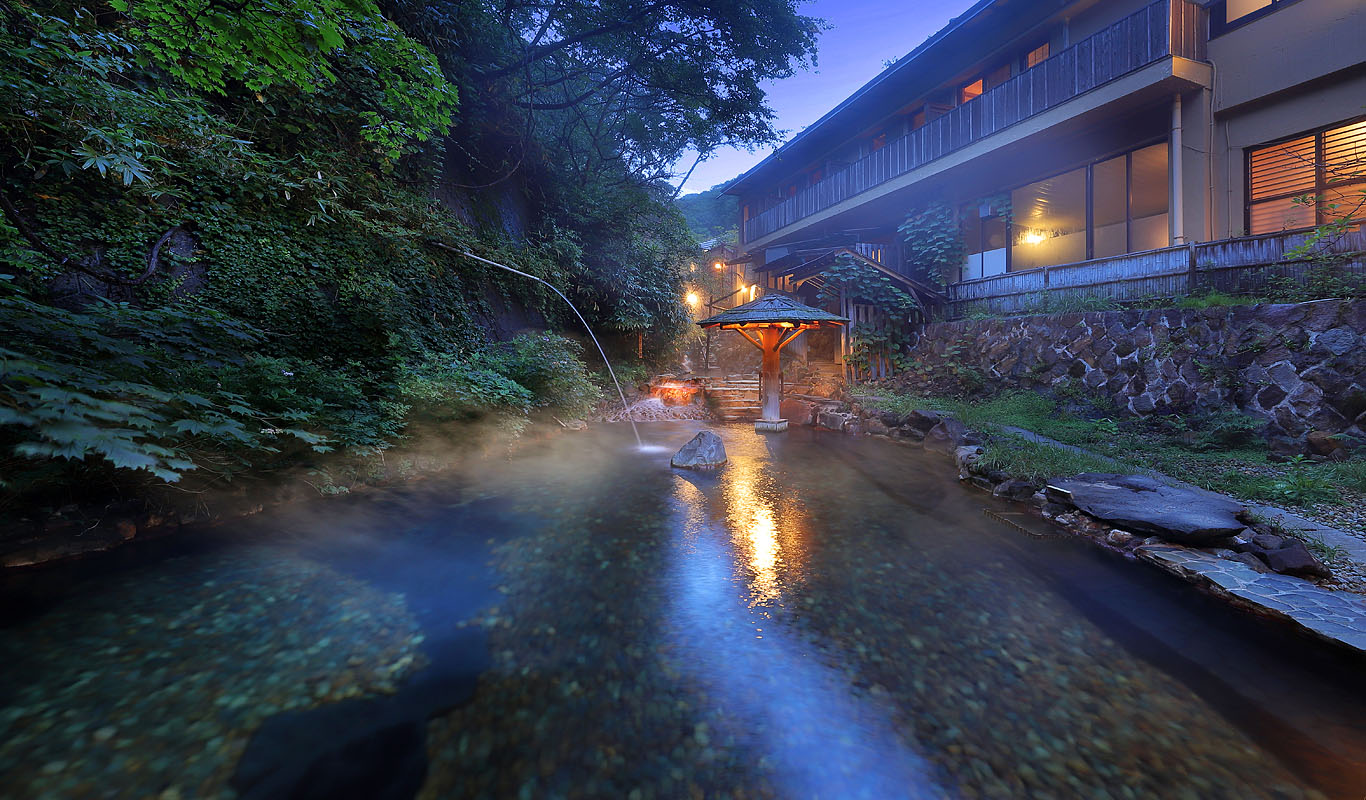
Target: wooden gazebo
[[769, 323]]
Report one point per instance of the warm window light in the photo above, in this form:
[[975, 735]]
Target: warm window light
[[719, 265], [693, 299], [752, 290], [1033, 237]]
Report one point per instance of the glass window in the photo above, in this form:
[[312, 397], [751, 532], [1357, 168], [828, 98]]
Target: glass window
[[984, 234], [1283, 169], [1344, 153], [1237, 9], [1050, 222], [1148, 198], [1279, 215], [1328, 168], [970, 91], [1110, 207], [1036, 56]]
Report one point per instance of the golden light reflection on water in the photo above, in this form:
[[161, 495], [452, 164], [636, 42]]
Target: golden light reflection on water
[[765, 527], [762, 535], [756, 527]]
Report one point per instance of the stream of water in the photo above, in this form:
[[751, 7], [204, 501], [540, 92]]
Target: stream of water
[[823, 617]]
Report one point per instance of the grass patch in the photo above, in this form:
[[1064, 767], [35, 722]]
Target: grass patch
[[1219, 451], [1035, 461]]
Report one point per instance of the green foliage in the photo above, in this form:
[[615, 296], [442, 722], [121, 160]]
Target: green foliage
[[306, 44], [550, 367], [117, 383], [861, 283], [1351, 474], [1214, 299], [293, 149], [1035, 461], [1227, 429], [934, 242]]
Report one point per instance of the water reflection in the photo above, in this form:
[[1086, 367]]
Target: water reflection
[[814, 732], [754, 529]]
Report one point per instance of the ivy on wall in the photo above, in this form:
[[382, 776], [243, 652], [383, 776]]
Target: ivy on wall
[[860, 283], [934, 242]]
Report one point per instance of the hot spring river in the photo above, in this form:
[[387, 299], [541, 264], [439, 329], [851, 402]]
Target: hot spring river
[[824, 618]]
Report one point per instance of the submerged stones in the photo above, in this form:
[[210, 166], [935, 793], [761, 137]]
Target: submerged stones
[[704, 451], [1145, 505]]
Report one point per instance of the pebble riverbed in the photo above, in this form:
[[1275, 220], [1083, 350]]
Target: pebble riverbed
[[150, 683], [823, 617]]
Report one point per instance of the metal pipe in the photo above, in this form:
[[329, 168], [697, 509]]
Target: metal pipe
[[625, 408]]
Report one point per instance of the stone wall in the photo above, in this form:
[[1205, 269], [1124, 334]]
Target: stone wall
[[1301, 366]]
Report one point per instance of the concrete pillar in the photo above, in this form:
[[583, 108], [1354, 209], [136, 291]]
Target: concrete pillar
[[1176, 208]]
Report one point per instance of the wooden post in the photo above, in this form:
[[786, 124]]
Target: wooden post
[[770, 382]]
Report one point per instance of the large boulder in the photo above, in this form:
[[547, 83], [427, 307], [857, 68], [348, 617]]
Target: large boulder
[[705, 451], [1141, 504], [946, 436], [797, 412], [1295, 559], [922, 421]]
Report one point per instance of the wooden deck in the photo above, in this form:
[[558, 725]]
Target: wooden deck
[[1245, 265]]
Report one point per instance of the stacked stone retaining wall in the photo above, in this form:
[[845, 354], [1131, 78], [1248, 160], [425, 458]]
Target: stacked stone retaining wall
[[1300, 366]]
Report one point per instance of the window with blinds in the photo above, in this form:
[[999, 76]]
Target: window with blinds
[[1309, 180]]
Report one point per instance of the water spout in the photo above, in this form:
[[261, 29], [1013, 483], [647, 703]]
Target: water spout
[[603, 353]]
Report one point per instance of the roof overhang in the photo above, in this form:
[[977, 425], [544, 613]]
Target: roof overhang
[[807, 264], [954, 48]]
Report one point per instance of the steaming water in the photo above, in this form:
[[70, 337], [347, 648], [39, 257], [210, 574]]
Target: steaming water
[[824, 617]]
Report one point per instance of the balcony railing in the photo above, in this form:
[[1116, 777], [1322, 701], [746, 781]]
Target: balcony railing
[[1165, 28]]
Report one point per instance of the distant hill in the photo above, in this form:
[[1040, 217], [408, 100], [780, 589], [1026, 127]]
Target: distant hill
[[710, 214]]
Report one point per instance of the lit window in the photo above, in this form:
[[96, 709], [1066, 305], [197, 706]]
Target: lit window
[[1309, 180], [1237, 9], [1036, 56], [1230, 14], [970, 91], [1050, 222]]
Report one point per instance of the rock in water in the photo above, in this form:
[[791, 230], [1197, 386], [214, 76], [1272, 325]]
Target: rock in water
[[705, 451], [1139, 503]]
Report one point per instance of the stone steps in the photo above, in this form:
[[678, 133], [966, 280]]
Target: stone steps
[[735, 398]]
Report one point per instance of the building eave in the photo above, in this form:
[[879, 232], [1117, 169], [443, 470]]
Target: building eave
[[848, 112]]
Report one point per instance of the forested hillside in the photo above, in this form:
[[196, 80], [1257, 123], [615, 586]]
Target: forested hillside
[[219, 218], [710, 214]]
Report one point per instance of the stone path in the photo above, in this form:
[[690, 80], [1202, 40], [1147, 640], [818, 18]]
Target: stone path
[[1353, 545], [1336, 616]]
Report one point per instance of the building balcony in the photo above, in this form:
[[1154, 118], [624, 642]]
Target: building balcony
[[1159, 32]]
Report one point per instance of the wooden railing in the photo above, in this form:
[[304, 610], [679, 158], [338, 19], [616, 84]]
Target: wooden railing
[[1165, 28], [1247, 265]]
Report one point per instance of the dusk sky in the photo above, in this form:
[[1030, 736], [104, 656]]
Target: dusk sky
[[863, 35]]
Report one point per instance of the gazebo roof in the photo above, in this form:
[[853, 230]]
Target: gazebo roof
[[773, 308]]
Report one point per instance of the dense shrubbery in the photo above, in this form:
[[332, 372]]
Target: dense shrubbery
[[217, 222]]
